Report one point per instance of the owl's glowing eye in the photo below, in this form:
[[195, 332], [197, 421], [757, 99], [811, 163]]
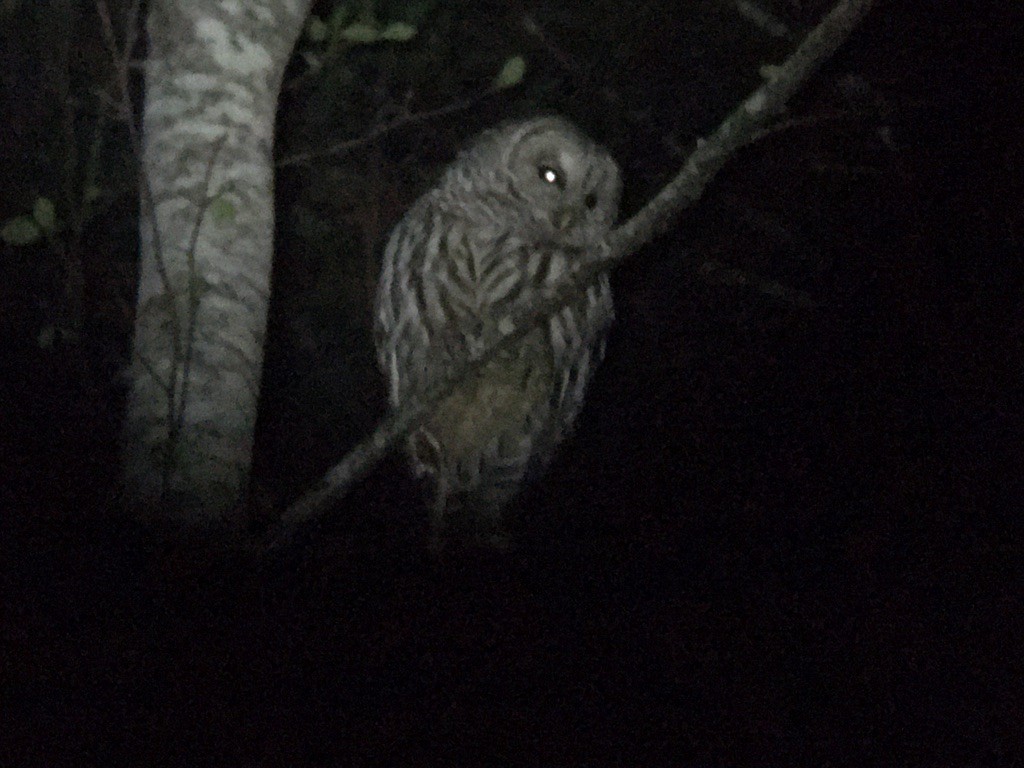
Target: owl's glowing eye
[[550, 175]]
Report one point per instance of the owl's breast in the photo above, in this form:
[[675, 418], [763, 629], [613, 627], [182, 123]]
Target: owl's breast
[[482, 272], [509, 396]]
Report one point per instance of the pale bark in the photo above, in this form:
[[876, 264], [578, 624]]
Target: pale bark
[[212, 80]]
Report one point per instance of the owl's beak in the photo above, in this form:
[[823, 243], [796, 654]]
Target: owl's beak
[[566, 218]]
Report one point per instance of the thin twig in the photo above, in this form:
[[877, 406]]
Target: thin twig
[[687, 186], [122, 65], [343, 147], [147, 209], [723, 274], [762, 19], [177, 410]]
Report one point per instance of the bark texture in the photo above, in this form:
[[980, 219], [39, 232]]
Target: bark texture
[[212, 80]]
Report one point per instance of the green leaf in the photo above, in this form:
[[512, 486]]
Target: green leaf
[[338, 17], [316, 30], [511, 73], [398, 32], [45, 214], [22, 230], [222, 210], [360, 33]]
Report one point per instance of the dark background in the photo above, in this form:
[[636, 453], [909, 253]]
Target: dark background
[[788, 530]]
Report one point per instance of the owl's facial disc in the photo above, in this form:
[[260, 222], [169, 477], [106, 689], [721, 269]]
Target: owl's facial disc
[[566, 218], [555, 180], [567, 187]]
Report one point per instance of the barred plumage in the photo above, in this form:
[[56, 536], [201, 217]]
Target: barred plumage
[[522, 205]]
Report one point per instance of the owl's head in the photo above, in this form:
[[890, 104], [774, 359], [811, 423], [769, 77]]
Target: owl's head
[[571, 184], [564, 187]]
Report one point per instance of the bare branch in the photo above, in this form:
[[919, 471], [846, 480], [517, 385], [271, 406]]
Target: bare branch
[[738, 129], [723, 274], [177, 420], [410, 118], [762, 19], [688, 185], [123, 66]]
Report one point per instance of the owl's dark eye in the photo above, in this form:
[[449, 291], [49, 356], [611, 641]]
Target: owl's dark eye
[[550, 175], [590, 201]]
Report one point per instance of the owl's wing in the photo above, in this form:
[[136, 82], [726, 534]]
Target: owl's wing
[[400, 334], [576, 336], [429, 307]]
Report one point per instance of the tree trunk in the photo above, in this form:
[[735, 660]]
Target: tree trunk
[[212, 80]]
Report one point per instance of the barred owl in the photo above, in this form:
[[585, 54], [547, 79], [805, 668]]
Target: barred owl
[[521, 206]]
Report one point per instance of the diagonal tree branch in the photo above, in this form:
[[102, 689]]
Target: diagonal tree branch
[[738, 129]]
